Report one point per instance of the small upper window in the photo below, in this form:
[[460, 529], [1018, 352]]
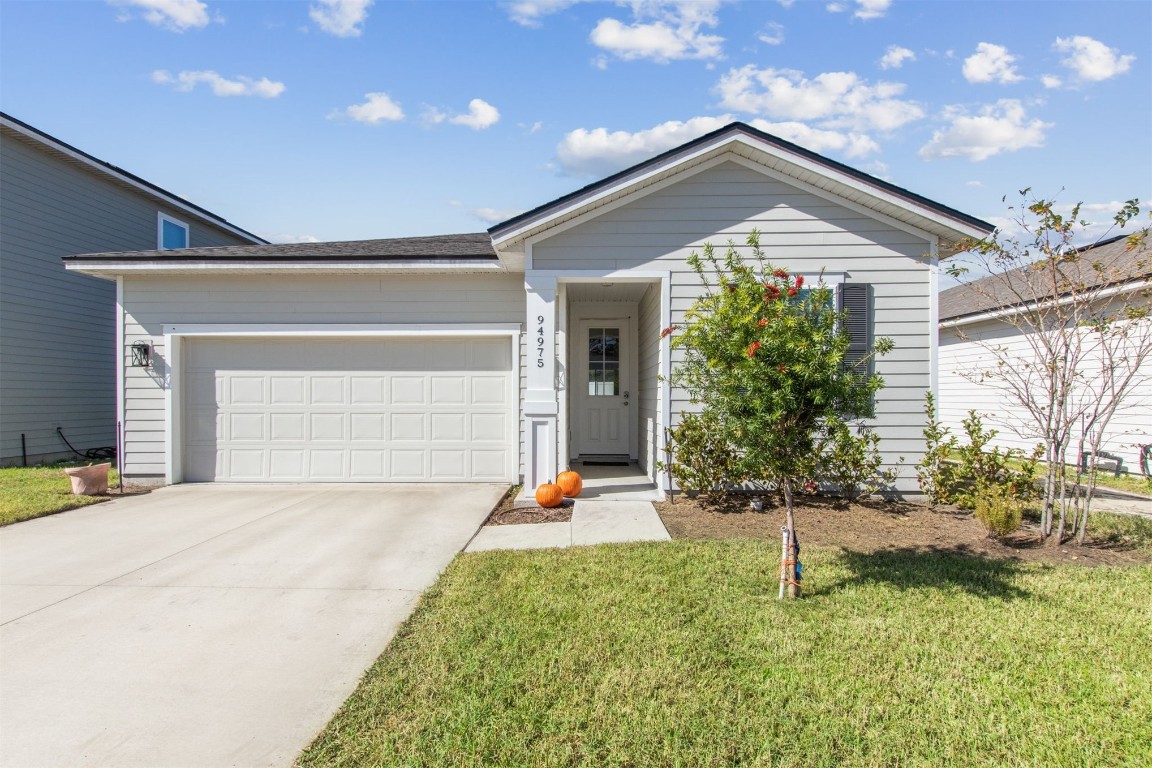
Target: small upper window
[[171, 233]]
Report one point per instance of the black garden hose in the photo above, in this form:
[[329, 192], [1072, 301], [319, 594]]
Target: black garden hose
[[92, 454]]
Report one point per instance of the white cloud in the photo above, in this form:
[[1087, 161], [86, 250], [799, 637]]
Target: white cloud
[[991, 63], [276, 237], [895, 57], [529, 12], [495, 215], [662, 30], [176, 15], [871, 9], [1051, 81], [974, 184], [865, 9], [221, 86], [599, 152], [342, 18], [377, 107], [772, 34], [820, 140], [837, 99], [480, 115], [999, 127], [1092, 60]]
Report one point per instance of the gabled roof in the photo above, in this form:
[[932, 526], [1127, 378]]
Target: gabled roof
[[71, 154], [1003, 291], [476, 245], [783, 156]]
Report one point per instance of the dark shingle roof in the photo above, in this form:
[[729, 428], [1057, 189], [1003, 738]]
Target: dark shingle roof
[[767, 138], [475, 245], [1122, 265]]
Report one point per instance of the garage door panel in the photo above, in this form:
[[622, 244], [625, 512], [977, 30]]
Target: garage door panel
[[339, 410]]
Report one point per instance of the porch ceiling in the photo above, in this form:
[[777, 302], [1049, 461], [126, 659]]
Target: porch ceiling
[[614, 292]]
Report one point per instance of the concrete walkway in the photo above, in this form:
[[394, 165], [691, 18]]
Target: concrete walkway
[[614, 507], [210, 625]]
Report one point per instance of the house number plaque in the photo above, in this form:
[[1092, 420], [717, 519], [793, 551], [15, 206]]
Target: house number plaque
[[540, 341]]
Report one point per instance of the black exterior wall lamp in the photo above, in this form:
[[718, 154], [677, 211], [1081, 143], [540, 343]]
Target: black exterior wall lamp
[[141, 354]]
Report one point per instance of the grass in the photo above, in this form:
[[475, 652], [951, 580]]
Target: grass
[[28, 492], [1128, 481], [678, 654], [1127, 531]]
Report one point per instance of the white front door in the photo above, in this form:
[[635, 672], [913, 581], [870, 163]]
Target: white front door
[[602, 355]]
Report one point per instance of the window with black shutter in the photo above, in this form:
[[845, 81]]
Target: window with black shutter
[[856, 300]]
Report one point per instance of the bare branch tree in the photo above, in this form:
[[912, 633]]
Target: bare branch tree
[[1080, 342]]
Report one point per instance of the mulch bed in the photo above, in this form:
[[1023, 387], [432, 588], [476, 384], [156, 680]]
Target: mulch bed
[[874, 526], [510, 512]]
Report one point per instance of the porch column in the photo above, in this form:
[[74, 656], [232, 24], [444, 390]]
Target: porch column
[[540, 398]]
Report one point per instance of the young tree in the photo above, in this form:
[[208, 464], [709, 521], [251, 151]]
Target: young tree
[[766, 355], [1081, 319]]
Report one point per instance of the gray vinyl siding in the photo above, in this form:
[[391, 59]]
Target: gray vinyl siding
[[57, 328], [648, 384], [800, 232], [151, 302]]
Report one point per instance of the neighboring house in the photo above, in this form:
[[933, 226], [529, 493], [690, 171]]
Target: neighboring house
[[508, 354], [970, 320], [57, 328]]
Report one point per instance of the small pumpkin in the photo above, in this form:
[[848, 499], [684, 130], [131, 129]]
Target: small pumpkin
[[549, 494], [570, 483]]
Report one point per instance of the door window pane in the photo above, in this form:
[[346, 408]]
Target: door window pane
[[603, 362]]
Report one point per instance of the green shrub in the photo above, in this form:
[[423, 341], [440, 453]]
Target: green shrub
[[852, 462], [701, 460], [999, 510], [934, 472], [981, 471]]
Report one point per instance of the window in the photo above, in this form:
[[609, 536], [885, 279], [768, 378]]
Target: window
[[171, 234], [603, 362]]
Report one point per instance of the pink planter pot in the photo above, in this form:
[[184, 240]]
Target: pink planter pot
[[89, 481]]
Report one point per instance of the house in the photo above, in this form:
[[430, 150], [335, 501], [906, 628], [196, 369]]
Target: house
[[971, 319], [511, 353], [57, 327]]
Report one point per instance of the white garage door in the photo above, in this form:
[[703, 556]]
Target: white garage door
[[348, 410]]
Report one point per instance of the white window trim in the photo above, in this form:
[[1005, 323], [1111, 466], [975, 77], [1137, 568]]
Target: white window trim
[[174, 335], [162, 217]]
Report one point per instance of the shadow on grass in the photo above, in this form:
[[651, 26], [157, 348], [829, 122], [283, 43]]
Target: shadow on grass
[[943, 568]]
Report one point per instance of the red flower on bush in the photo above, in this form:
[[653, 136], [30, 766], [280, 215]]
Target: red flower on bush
[[731, 287], [782, 368], [762, 322], [753, 348], [792, 291], [799, 281], [780, 273], [667, 331], [772, 294]]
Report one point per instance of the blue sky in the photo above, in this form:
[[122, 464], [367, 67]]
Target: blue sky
[[348, 119]]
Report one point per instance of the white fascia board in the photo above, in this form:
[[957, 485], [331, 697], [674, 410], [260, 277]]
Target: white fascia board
[[597, 275], [852, 182], [166, 199], [607, 192], [160, 266], [343, 329], [752, 146], [997, 314]]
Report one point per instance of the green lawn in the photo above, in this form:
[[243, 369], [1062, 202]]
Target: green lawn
[[28, 492], [679, 654]]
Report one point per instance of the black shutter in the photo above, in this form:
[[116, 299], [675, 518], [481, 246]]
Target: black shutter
[[856, 300]]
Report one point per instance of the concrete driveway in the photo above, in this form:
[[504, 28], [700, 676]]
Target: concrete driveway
[[210, 625]]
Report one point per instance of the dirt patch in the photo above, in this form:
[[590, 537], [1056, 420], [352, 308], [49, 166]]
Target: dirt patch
[[875, 526], [510, 512]]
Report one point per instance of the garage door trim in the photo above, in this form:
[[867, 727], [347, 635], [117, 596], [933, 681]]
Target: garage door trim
[[174, 334]]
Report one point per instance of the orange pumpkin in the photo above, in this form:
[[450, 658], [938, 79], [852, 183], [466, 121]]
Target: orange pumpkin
[[549, 495], [570, 483]]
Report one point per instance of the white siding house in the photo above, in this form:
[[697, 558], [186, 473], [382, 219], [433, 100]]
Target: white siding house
[[506, 355], [971, 324]]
